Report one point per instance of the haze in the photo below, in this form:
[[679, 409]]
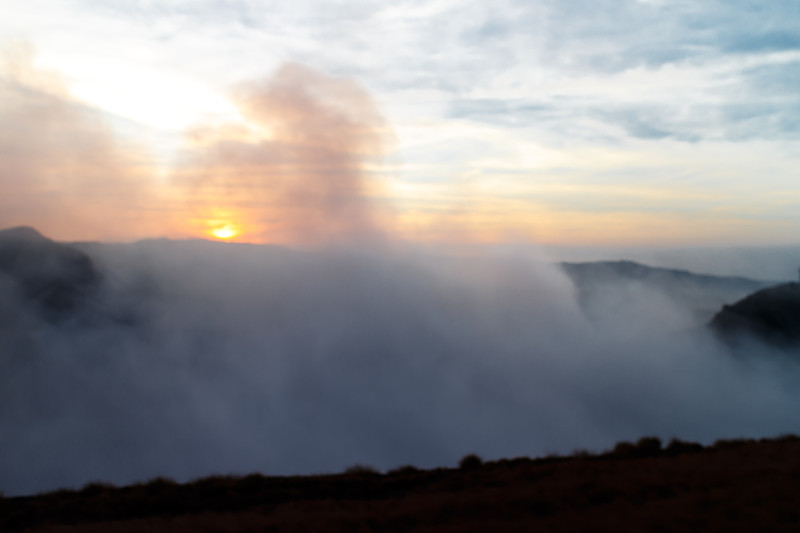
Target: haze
[[393, 185]]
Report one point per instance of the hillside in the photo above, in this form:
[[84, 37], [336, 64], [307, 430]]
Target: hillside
[[741, 485], [771, 315], [700, 294], [52, 278]]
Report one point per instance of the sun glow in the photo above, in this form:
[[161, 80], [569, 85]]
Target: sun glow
[[223, 230], [147, 96]]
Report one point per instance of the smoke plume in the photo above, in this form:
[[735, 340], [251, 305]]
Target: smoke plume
[[295, 168]]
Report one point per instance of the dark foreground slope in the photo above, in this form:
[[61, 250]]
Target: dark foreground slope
[[731, 486]]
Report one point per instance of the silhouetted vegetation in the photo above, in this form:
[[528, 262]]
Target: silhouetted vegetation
[[677, 447], [732, 485], [644, 447], [362, 470], [470, 462], [405, 469]]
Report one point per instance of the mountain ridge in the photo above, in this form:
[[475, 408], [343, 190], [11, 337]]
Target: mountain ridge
[[54, 277], [771, 315]]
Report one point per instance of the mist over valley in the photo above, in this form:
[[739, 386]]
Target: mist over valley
[[123, 362]]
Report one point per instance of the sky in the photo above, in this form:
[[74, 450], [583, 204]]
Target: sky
[[602, 123]]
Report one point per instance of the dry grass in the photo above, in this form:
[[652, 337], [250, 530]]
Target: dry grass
[[739, 485]]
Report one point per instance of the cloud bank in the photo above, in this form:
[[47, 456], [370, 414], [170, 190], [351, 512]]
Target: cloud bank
[[200, 358]]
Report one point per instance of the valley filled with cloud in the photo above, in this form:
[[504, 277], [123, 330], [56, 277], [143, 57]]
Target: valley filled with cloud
[[187, 358]]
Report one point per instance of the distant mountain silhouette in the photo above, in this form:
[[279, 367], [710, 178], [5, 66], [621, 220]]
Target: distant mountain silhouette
[[58, 280], [771, 315], [701, 294], [54, 277]]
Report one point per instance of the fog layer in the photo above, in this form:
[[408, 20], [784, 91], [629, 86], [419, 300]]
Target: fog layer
[[197, 358]]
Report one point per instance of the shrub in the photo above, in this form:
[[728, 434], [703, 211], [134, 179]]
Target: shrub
[[470, 462], [676, 447], [59, 493], [648, 447], [96, 487], [362, 470], [252, 482], [624, 449], [644, 447], [160, 482], [725, 444], [581, 453], [405, 469]]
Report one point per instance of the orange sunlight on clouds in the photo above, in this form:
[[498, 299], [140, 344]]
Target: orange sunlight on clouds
[[294, 172], [300, 167], [64, 170]]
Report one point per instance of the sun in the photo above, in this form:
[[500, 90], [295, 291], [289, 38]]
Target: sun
[[224, 231]]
